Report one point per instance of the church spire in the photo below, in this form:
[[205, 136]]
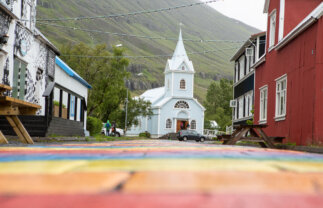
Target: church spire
[[180, 51]]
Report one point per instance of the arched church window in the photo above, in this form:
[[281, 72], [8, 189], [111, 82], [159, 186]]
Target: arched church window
[[182, 84], [168, 124], [182, 104], [193, 124], [183, 68]]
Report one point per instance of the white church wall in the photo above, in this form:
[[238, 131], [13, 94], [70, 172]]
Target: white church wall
[[194, 112], [188, 91]]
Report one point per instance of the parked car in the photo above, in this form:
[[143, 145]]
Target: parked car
[[184, 135], [119, 132]]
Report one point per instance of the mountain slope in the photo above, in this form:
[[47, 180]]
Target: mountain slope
[[199, 22]]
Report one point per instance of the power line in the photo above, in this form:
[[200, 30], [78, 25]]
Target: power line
[[137, 36], [127, 14], [153, 56]]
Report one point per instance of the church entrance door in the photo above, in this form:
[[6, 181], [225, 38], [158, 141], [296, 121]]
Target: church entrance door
[[181, 124]]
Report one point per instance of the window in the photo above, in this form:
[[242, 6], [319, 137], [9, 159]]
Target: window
[[193, 124], [263, 103], [272, 29], [168, 124], [248, 106], [237, 72], [183, 68], [281, 92], [182, 84], [281, 19], [242, 67], [240, 108], [182, 104]]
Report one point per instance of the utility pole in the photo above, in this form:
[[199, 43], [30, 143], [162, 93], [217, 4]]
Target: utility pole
[[125, 128]]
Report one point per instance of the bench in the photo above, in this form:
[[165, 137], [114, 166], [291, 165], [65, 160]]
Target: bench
[[10, 108], [256, 135]]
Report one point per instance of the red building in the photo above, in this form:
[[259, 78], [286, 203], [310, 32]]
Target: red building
[[289, 79]]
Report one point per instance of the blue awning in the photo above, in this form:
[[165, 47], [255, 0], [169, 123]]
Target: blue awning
[[71, 72]]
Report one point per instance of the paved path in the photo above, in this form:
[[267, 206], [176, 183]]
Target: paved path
[[154, 174]]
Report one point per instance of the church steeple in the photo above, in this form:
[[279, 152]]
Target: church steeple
[[180, 48], [180, 58], [179, 73]]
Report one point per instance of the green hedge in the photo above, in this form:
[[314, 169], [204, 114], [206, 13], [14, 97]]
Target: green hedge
[[94, 125], [145, 134]]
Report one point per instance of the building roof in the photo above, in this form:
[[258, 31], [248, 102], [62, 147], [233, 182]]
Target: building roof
[[153, 95], [316, 14], [43, 38], [71, 72], [242, 49]]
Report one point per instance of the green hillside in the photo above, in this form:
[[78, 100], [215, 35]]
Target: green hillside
[[199, 22]]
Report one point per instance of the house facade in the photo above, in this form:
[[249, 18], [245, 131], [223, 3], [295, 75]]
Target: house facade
[[289, 82], [174, 106], [28, 65], [70, 100], [245, 60]]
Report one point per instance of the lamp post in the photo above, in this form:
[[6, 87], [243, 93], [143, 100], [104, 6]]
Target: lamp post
[[125, 124], [126, 101]]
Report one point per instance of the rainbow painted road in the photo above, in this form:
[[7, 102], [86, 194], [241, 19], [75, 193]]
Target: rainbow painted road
[[156, 174]]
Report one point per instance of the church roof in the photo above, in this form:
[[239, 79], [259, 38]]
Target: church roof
[[153, 95], [180, 56]]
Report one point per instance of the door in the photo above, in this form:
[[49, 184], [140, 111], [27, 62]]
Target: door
[[181, 125], [19, 77]]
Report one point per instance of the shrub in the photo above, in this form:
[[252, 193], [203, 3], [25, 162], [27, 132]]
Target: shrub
[[145, 134], [94, 125]]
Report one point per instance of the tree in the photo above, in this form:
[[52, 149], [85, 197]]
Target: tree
[[217, 102], [104, 71], [136, 108]]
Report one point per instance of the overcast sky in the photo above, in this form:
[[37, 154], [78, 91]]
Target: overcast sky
[[247, 11]]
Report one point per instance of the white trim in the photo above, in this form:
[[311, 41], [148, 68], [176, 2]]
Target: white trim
[[263, 87], [281, 77], [261, 60], [280, 118], [281, 20], [262, 122], [272, 30], [266, 6], [277, 102], [172, 85], [242, 119], [265, 102], [158, 122], [245, 77], [302, 26]]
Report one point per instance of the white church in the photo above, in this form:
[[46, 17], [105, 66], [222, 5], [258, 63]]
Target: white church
[[174, 106]]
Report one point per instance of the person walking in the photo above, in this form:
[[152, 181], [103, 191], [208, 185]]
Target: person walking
[[114, 126], [108, 127]]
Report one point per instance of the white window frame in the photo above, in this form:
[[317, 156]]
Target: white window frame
[[180, 84], [242, 66], [281, 98], [236, 72], [241, 107], [248, 104], [263, 104], [169, 123], [193, 124], [272, 29], [281, 20]]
